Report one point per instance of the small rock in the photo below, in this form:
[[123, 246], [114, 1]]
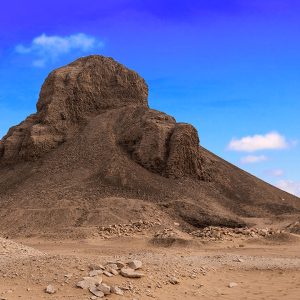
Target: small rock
[[120, 264], [114, 272], [174, 280], [96, 292], [50, 289], [89, 282], [130, 273], [135, 264], [112, 266], [108, 274], [104, 288], [95, 273], [96, 267], [232, 284], [116, 290]]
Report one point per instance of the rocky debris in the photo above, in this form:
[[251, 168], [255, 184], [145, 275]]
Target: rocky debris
[[232, 284], [293, 228], [120, 264], [213, 233], [165, 233], [126, 229], [50, 289], [108, 274], [112, 271], [95, 273], [96, 292], [130, 273], [174, 280], [100, 289], [112, 266], [116, 290], [135, 264], [88, 282], [9, 247], [103, 287], [239, 260], [93, 267]]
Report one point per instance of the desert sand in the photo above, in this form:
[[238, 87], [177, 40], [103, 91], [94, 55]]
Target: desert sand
[[262, 268]]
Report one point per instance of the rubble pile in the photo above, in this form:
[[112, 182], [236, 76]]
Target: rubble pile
[[94, 281], [213, 233], [117, 230]]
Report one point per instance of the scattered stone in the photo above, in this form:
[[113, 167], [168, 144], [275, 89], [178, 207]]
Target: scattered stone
[[130, 273], [232, 284], [120, 264], [112, 266], [96, 267], [125, 230], [96, 292], [50, 289], [215, 233], [103, 287], [135, 264], [113, 271], [108, 274], [116, 290], [89, 282], [174, 280], [95, 273]]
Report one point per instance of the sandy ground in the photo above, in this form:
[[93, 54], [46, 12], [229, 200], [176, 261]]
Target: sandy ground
[[262, 269]]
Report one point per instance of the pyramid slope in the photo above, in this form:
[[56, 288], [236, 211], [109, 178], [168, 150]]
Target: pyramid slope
[[117, 162]]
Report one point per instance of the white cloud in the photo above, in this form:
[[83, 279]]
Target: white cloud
[[275, 172], [251, 159], [45, 48], [269, 141], [290, 186]]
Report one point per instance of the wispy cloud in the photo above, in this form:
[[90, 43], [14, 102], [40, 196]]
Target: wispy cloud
[[275, 172], [269, 141], [252, 159], [45, 48], [290, 186]]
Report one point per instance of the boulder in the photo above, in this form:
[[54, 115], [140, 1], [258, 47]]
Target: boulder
[[89, 282], [135, 264], [130, 273]]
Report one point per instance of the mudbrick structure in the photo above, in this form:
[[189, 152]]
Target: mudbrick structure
[[95, 154]]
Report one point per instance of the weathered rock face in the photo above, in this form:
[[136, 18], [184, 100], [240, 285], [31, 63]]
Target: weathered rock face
[[73, 94], [69, 96], [86, 87], [155, 141]]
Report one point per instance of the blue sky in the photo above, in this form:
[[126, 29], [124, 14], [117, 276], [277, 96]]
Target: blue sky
[[231, 68]]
